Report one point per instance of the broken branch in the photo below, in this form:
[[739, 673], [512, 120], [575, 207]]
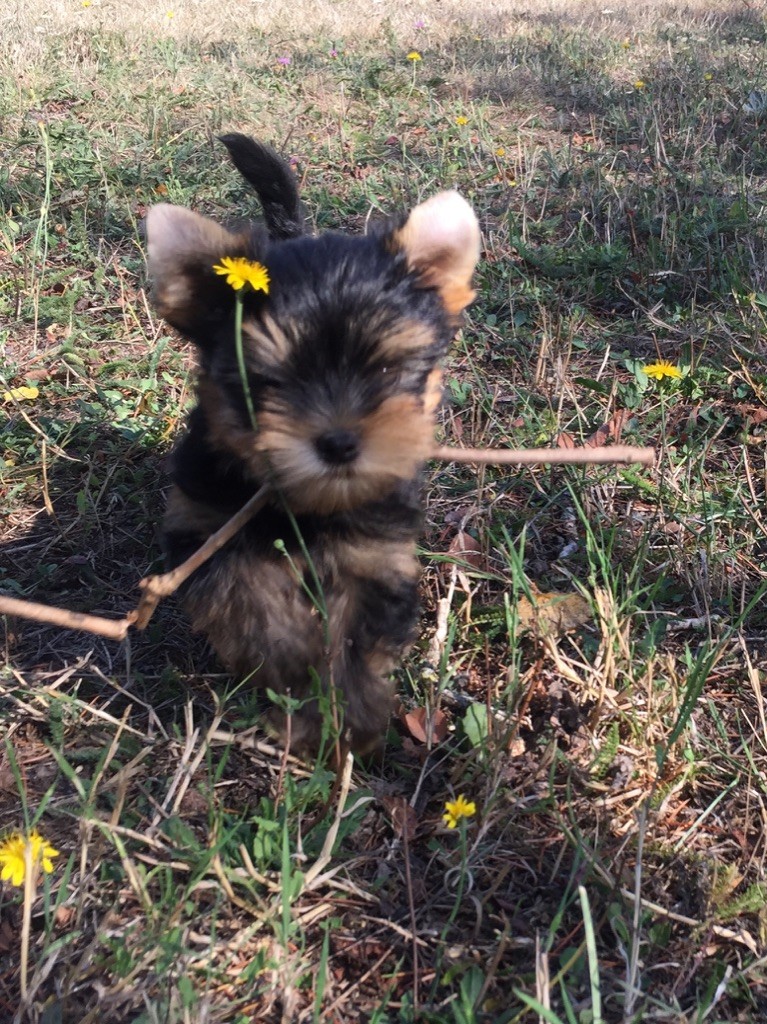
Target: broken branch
[[550, 456], [115, 629], [157, 587]]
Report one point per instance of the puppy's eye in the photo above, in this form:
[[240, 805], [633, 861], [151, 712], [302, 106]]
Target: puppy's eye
[[263, 380], [392, 375]]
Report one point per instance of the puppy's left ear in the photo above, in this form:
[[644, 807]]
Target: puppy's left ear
[[441, 239], [182, 248]]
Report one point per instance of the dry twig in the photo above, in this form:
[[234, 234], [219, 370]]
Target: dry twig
[[155, 588], [620, 453]]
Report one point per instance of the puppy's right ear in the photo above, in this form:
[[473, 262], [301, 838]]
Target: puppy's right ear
[[182, 248], [441, 239]]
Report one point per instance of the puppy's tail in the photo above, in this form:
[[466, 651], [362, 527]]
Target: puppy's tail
[[273, 182]]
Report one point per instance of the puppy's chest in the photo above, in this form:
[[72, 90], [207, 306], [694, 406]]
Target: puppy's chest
[[273, 592]]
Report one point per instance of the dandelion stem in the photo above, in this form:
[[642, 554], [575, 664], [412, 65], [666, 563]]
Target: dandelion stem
[[241, 359], [26, 921]]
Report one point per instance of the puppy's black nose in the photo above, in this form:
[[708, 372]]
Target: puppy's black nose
[[338, 447]]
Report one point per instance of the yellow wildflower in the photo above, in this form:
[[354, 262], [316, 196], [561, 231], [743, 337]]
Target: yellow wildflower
[[239, 272], [500, 151], [663, 368], [461, 119], [414, 55], [639, 84], [708, 76], [457, 809], [13, 856], [626, 44]]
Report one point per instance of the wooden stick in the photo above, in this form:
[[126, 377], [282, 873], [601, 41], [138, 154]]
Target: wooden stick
[[550, 456], [157, 587], [115, 629]]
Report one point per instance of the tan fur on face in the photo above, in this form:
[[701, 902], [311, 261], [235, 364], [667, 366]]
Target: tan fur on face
[[225, 431], [395, 440], [397, 437], [406, 338], [268, 339]]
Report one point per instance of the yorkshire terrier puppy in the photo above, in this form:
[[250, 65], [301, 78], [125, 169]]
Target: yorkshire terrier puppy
[[318, 593]]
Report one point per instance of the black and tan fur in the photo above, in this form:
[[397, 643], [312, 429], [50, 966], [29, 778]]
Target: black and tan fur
[[343, 365]]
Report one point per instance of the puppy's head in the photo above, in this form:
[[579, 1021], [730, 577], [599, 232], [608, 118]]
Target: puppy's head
[[341, 355]]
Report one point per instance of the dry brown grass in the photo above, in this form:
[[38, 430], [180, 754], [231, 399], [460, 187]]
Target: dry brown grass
[[26, 24]]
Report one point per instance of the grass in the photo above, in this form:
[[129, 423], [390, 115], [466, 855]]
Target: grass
[[616, 751]]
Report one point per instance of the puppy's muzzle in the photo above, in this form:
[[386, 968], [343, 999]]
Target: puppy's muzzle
[[338, 447]]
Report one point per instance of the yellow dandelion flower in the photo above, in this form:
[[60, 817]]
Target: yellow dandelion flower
[[457, 809], [13, 856], [708, 76], [461, 119], [500, 151], [239, 272], [639, 84], [663, 368], [414, 55]]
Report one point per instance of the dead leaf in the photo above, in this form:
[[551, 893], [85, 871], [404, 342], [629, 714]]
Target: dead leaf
[[465, 548], [756, 413], [610, 431], [9, 939], [63, 915], [355, 949], [417, 722], [465, 551], [565, 440], [56, 332], [457, 515], [403, 818], [23, 394], [552, 614]]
